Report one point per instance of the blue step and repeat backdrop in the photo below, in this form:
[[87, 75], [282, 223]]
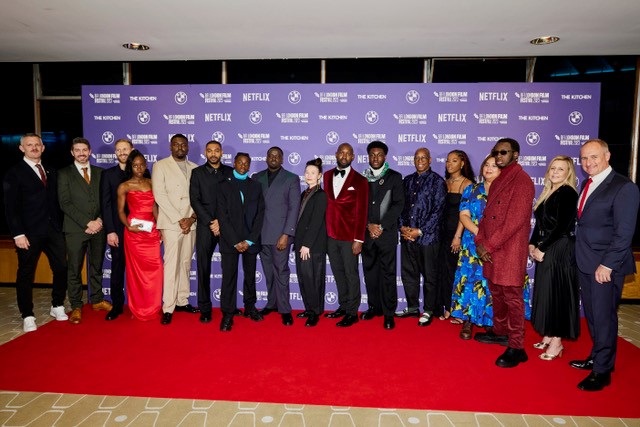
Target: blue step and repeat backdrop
[[311, 120]]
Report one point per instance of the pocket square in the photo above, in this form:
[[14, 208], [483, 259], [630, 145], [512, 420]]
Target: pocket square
[[351, 189]]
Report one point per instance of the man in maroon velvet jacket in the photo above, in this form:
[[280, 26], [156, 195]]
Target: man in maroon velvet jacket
[[347, 199], [502, 244]]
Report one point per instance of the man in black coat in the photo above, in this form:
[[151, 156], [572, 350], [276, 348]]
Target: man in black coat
[[379, 253], [203, 194], [111, 179], [35, 222], [240, 214]]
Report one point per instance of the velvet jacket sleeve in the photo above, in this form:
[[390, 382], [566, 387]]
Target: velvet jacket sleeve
[[557, 218]]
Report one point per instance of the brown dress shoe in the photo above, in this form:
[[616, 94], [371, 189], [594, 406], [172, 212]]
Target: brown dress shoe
[[102, 305], [466, 331], [76, 316]]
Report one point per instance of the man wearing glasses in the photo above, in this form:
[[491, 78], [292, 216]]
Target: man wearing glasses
[[502, 244]]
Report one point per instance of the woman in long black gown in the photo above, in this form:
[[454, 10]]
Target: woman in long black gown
[[555, 313]]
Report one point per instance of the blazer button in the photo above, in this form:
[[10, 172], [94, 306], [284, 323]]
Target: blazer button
[[493, 217]]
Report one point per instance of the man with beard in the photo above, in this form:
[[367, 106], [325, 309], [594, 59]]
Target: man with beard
[[111, 179], [203, 193], [347, 198], [176, 222], [502, 244]]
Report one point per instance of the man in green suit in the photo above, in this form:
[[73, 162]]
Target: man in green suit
[[79, 196]]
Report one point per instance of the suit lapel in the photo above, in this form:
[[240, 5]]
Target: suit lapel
[[347, 183], [601, 189]]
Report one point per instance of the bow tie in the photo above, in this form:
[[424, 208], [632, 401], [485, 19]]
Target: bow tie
[[337, 172]]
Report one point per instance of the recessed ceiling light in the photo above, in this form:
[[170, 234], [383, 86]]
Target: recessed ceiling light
[[135, 46], [544, 40]]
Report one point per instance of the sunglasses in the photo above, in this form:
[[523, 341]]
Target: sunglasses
[[501, 152]]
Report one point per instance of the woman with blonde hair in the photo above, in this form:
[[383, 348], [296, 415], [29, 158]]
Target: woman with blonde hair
[[555, 313]]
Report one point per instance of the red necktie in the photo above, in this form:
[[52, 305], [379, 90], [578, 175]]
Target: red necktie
[[43, 176], [86, 175], [584, 197]]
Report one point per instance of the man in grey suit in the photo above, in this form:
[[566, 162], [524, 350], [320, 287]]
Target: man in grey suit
[[281, 191]]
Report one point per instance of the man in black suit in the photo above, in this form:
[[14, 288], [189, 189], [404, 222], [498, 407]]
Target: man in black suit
[[607, 213], [379, 252], [203, 194], [111, 179], [240, 214], [35, 222], [79, 197]]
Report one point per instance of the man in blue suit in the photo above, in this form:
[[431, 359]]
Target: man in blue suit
[[607, 212]]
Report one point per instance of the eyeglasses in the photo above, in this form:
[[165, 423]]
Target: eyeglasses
[[501, 152]]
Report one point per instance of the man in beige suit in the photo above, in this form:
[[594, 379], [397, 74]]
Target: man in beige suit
[[176, 222]]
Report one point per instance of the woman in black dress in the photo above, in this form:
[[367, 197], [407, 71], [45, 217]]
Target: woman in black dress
[[458, 175], [310, 244], [555, 313]]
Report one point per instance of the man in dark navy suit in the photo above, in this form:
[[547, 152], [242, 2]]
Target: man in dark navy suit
[[35, 222], [111, 179], [607, 213]]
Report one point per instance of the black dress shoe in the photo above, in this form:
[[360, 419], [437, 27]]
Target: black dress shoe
[[312, 320], [335, 314], [238, 312], [113, 314], [348, 320], [512, 357], [187, 308], [265, 311], [586, 364], [595, 382], [166, 318], [389, 323], [287, 319], [491, 338], [226, 323], [205, 317], [253, 315], [370, 314], [303, 314]]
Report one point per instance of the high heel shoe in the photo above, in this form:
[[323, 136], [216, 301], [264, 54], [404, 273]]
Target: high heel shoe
[[549, 357], [541, 345]]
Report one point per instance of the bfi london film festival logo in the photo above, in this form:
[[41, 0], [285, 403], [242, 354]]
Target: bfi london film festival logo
[[575, 118], [107, 253], [332, 137], [218, 136], [372, 117], [331, 298], [412, 96], [181, 98], [144, 117], [294, 158], [294, 97], [108, 137], [255, 117], [533, 138]]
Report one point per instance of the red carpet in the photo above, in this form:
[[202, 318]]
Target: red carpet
[[409, 367]]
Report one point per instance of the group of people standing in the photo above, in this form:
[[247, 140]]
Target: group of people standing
[[467, 242]]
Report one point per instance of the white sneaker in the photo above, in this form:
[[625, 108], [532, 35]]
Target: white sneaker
[[58, 313], [29, 324]]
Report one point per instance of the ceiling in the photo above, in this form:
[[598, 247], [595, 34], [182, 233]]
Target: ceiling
[[73, 30]]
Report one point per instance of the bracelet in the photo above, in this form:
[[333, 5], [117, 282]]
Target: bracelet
[[458, 237]]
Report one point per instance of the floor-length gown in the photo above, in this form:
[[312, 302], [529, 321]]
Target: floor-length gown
[[144, 271], [448, 259]]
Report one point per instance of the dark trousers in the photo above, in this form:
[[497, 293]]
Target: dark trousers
[[229, 290], [379, 267], [344, 266], [311, 278], [118, 262], [600, 303], [53, 246], [275, 265], [93, 245], [206, 243], [419, 260], [508, 313]]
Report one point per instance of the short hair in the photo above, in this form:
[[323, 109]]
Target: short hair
[[29, 135], [80, 140], [178, 135], [602, 143], [425, 149], [213, 141], [276, 148], [378, 144], [124, 140], [241, 154], [315, 162], [515, 147]]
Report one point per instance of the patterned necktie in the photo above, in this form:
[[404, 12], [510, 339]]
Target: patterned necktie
[[43, 176], [584, 197], [85, 171]]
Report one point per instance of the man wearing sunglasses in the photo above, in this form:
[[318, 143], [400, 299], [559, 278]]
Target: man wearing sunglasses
[[502, 244]]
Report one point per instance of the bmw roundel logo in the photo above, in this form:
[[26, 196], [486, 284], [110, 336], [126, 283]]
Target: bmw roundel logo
[[533, 138], [412, 96], [181, 98], [144, 117], [294, 97], [331, 298], [216, 294], [107, 253], [218, 136], [294, 158], [108, 137], [575, 118], [258, 277], [332, 137], [372, 117], [255, 117]]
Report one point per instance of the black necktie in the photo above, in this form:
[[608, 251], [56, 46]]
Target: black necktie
[[337, 172]]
